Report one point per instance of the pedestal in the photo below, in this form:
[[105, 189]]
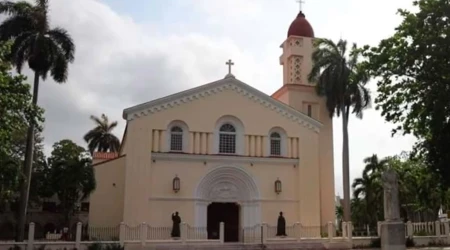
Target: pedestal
[[393, 235]]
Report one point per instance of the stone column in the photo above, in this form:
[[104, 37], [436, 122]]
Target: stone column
[[330, 230], [78, 236], [344, 229], [447, 229], [201, 213], [298, 231], [30, 240], [409, 229], [122, 234], [264, 233], [222, 232], [183, 232], [143, 233], [437, 226]]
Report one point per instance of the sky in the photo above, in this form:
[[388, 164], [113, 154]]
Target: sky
[[133, 51]]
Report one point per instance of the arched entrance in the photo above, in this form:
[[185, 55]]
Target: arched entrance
[[227, 194]]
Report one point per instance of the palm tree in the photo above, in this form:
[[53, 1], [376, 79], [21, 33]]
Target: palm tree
[[369, 186], [101, 138], [342, 81], [46, 50]]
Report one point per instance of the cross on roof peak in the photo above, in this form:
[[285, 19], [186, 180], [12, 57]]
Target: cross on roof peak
[[229, 63]]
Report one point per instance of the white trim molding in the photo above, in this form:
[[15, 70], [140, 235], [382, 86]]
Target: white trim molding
[[224, 158], [217, 87]]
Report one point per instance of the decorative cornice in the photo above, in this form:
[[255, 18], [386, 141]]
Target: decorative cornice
[[216, 88], [223, 158]]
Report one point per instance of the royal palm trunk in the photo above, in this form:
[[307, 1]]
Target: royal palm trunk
[[345, 165], [27, 169]]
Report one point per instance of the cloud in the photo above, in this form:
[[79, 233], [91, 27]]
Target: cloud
[[121, 62]]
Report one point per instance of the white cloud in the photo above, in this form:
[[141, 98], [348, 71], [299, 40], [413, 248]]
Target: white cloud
[[120, 63]]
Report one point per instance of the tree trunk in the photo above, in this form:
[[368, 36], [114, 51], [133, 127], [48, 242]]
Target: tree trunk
[[27, 170], [345, 166]]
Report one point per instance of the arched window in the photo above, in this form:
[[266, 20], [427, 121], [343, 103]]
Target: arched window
[[227, 139], [176, 139], [275, 144]]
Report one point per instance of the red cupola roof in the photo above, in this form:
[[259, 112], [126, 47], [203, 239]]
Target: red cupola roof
[[300, 27]]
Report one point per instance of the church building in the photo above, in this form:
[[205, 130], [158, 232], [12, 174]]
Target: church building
[[225, 151]]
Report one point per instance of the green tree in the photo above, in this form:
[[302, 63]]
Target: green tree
[[339, 212], [16, 112], [11, 166], [47, 51], [101, 138], [369, 188], [70, 175], [342, 81], [414, 81], [16, 109], [359, 218], [420, 194]]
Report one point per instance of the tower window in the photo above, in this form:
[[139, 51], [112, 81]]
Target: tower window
[[227, 139], [309, 110]]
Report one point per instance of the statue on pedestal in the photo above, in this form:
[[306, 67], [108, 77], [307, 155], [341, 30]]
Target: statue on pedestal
[[176, 220], [392, 228], [281, 226], [391, 200]]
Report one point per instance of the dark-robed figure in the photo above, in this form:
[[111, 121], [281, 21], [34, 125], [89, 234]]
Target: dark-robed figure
[[176, 220], [281, 225]]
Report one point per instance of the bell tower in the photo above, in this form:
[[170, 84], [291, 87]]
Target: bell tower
[[299, 93], [297, 51]]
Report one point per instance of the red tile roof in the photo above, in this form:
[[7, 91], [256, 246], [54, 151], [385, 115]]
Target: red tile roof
[[105, 155]]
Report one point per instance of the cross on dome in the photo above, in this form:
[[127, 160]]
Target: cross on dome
[[230, 63], [300, 2]]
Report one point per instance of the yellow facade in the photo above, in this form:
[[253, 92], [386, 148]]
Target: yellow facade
[[138, 187]]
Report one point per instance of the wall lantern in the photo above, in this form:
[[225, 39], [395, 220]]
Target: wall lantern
[[277, 186], [176, 184]]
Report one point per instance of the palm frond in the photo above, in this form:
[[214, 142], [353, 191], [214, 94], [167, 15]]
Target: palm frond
[[20, 50], [59, 69], [62, 38], [13, 26], [15, 8], [96, 120], [112, 126]]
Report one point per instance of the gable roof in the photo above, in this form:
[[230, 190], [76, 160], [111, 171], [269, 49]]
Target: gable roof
[[216, 87]]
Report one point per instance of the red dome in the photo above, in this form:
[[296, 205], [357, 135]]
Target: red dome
[[300, 27]]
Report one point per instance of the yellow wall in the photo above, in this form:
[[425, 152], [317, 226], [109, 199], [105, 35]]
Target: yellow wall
[[147, 179], [148, 194], [106, 202]]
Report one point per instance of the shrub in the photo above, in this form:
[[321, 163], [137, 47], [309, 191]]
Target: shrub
[[410, 242], [98, 246], [375, 243]]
